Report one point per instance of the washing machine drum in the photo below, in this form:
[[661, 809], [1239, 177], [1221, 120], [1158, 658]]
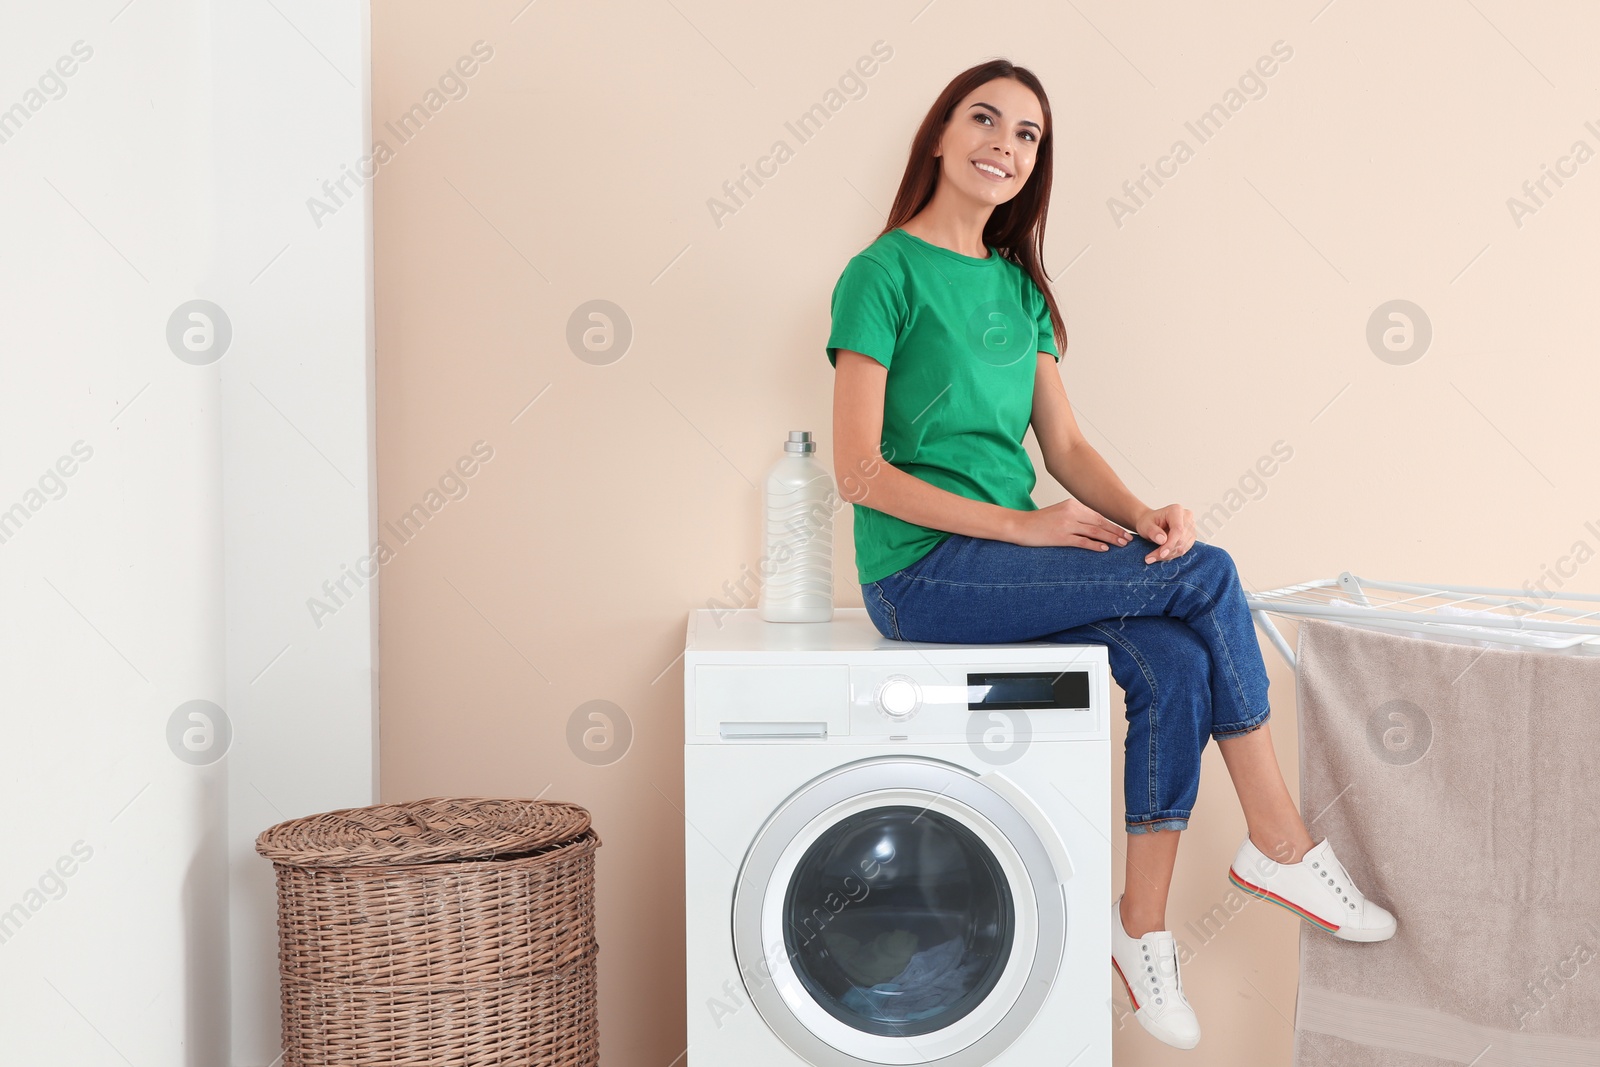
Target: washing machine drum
[[915, 944], [897, 912]]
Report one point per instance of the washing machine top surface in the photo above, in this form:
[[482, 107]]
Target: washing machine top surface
[[851, 630]]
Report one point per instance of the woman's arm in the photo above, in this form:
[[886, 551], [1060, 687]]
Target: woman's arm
[[1072, 460], [866, 478]]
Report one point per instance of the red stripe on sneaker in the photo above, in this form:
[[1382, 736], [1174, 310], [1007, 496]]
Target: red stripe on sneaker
[[1266, 894], [1125, 984]]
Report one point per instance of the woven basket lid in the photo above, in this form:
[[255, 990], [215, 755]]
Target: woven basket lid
[[422, 831]]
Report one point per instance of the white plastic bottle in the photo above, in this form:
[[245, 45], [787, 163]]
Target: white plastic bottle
[[798, 566]]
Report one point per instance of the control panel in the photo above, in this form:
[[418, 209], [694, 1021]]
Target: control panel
[[952, 703]]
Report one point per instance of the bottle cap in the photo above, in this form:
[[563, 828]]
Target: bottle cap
[[800, 441]]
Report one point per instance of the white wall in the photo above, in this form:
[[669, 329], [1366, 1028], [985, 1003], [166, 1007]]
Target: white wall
[[206, 502]]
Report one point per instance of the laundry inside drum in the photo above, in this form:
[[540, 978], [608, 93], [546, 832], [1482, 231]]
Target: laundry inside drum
[[898, 921]]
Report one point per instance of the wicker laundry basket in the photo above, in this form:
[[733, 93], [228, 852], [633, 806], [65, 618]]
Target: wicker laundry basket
[[442, 932]]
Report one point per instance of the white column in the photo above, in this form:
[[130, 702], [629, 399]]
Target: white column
[[169, 504]]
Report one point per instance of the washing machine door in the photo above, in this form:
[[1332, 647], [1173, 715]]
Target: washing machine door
[[900, 911]]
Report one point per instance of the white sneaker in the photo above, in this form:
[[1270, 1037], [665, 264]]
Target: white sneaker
[[1318, 889], [1148, 967]]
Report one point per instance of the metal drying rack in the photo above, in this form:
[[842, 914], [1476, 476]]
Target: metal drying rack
[[1496, 617]]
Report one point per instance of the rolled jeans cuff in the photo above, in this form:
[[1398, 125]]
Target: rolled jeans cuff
[[1239, 729]]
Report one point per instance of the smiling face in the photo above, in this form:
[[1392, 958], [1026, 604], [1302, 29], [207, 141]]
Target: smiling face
[[998, 125]]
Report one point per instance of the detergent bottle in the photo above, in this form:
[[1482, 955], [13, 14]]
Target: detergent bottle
[[798, 502]]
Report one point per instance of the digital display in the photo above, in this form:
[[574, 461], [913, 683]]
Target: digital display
[[993, 690]]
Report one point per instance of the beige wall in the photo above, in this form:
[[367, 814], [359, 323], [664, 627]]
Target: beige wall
[[1227, 313]]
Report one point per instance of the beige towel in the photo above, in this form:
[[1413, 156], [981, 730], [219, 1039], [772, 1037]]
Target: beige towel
[[1457, 784]]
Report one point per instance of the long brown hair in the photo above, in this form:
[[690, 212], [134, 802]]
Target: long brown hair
[[1016, 227]]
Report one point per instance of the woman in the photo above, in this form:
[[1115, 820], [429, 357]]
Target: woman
[[943, 341]]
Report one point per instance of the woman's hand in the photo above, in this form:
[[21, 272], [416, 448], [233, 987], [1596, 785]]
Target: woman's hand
[[1171, 527], [1068, 523]]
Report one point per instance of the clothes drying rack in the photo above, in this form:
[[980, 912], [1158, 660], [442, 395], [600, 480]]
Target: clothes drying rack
[[1493, 618]]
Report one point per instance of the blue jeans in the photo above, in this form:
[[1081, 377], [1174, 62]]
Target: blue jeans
[[1178, 634]]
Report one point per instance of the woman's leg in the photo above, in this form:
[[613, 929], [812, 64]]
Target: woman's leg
[[1147, 878], [1275, 824], [1164, 670]]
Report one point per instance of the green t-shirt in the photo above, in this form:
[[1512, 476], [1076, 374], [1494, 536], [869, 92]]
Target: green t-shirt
[[960, 336]]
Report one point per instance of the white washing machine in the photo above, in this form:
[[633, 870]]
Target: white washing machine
[[897, 852]]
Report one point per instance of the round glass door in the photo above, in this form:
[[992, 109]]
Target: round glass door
[[898, 921], [899, 910]]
